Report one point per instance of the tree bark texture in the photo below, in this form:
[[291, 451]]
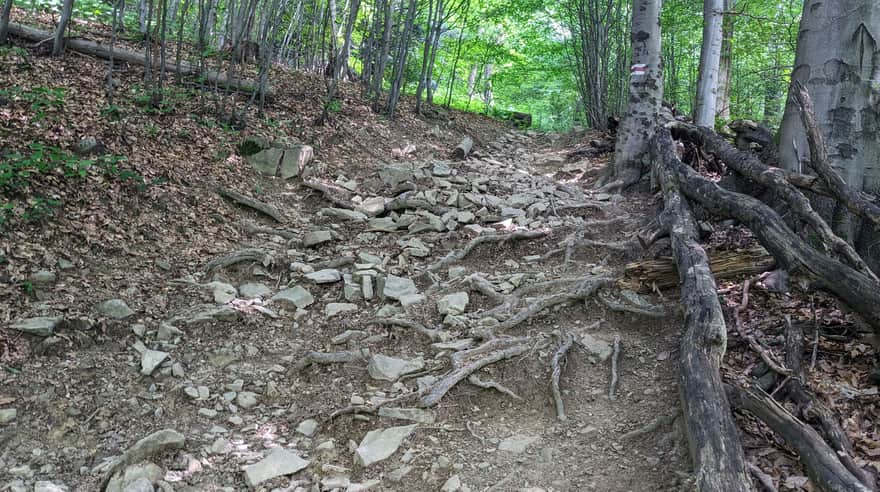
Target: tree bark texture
[[4, 20], [66, 12], [645, 98], [710, 60]]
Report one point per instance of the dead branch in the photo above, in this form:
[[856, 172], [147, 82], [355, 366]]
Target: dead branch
[[329, 191], [468, 362], [557, 363], [615, 355], [341, 357], [851, 198], [765, 480], [262, 257], [821, 462], [650, 427], [431, 334], [753, 344], [476, 381], [478, 283], [257, 205], [642, 275], [406, 201], [462, 150], [643, 310], [459, 254], [251, 228], [334, 263]]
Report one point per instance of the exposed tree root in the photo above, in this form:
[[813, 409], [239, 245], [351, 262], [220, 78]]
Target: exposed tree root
[[583, 289], [615, 355], [476, 381], [251, 228], [556, 365], [406, 201], [821, 462], [652, 426], [625, 307], [334, 263], [257, 205], [157, 442], [262, 257], [329, 191], [431, 334], [332, 358], [457, 255], [765, 480], [716, 452], [467, 362], [748, 165]]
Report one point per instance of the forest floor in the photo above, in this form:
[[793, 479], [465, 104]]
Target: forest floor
[[236, 375]]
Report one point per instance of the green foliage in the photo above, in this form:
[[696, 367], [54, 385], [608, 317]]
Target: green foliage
[[334, 106], [39, 209], [39, 99]]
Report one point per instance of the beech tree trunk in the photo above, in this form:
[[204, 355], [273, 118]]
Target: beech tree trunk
[[722, 100], [4, 20], [645, 99], [838, 61], [66, 12], [710, 60]]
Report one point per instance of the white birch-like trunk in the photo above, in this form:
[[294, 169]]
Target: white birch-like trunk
[[645, 99], [838, 61], [710, 59]]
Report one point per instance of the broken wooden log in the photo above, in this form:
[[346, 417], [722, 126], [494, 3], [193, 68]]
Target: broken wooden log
[[821, 462], [464, 148], [101, 50], [716, 452], [854, 288], [257, 205], [661, 273]]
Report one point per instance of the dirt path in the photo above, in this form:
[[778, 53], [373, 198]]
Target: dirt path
[[230, 378]]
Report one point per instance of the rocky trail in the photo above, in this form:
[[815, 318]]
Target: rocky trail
[[401, 329]]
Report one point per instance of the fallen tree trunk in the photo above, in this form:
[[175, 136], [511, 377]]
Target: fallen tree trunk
[[464, 148], [100, 50], [854, 288], [646, 275], [718, 460], [821, 462]]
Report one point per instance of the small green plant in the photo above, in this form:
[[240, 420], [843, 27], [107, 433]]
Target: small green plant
[[6, 210], [112, 112], [27, 287], [40, 208], [334, 106], [40, 99]]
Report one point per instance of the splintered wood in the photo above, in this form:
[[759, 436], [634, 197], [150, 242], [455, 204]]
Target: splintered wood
[[644, 276]]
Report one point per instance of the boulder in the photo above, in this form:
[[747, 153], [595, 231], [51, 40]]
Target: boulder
[[278, 462], [386, 368], [115, 308], [295, 297], [42, 326]]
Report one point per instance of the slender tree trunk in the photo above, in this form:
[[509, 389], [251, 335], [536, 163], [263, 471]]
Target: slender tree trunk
[[426, 47], [66, 12], [645, 98], [403, 51], [722, 105], [838, 61], [710, 58], [384, 52], [4, 21], [117, 10], [142, 17]]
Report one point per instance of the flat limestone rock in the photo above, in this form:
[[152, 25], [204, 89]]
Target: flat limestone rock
[[295, 296], [379, 444], [253, 290], [42, 326], [344, 214], [599, 348], [386, 368], [397, 287], [325, 276], [206, 314], [412, 414], [517, 444], [453, 304], [382, 224], [277, 463], [316, 238], [115, 308], [335, 308], [150, 360]]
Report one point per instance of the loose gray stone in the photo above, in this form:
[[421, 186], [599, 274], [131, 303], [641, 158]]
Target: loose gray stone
[[115, 308], [167, 332], [219, 446], [138, 485], [334, 308], [395, 174], [266, 161], [395, 287], [411, 299], [382, 224], [379, 444], [517, 444], [372, 206], [223, 292], [367, 288], [595, 346], [206, 313], [441, 169], [42, 326], [348, 335], [453, 484], [315, 238], [413, 414], [150, 360], [44, 486], [43, 278], [453, 304], [307, 427], [387, 368], [65, 264], [246, 399], [344, 214], [279, 462], [253, 290], [295, 296], [7, 415], [295, 160], [325, 276]]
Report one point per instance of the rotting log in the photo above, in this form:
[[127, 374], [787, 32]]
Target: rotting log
[[717, 455], [101, 50], [464, 148], [857, 290], [821, 462], [662, 273]]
